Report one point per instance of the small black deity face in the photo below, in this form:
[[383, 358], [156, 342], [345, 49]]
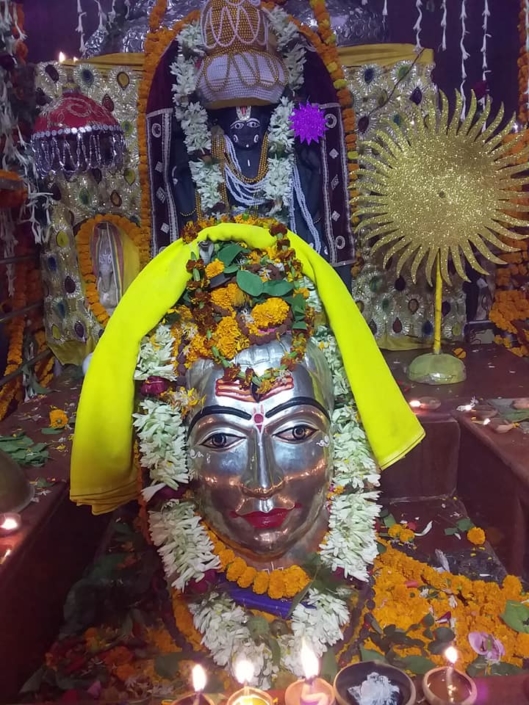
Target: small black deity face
[[247, 133], [245, 125]]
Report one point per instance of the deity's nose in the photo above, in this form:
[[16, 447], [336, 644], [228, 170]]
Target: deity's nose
[[263, 476]]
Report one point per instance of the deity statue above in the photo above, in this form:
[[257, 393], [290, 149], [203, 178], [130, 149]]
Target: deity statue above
[[220, 131], [254, 398]]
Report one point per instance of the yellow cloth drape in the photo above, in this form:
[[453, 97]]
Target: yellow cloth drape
[[383, 55], [102, 473]]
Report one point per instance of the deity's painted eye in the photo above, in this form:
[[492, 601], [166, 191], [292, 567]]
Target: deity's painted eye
[[237, 126], [219, 441], [254, 124], [298, 433]]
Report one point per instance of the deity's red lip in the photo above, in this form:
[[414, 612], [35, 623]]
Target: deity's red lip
[[265, 520]]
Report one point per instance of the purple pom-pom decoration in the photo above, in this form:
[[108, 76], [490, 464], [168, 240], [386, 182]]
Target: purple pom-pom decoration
[[308, 123]]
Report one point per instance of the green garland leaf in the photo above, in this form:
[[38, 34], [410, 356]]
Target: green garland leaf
[[516, 616], [250, 283], [229, 252]]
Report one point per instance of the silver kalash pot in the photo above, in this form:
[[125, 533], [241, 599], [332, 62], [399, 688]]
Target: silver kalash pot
[[15, 491]]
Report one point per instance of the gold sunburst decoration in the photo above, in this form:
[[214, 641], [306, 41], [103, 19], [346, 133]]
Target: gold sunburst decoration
[[441, 187]]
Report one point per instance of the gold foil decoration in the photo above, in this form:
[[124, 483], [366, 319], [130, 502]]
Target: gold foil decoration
[[442, 186]]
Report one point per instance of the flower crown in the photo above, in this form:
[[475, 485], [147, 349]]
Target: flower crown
[[236, 298]]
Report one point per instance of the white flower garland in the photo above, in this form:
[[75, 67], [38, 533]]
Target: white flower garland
[[185, 547], [207, 178]]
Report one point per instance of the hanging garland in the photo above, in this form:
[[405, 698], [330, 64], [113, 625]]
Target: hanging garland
[[16, 341], [86, 264], [328, 52], [510, 310], [523, 63], [156, 43]]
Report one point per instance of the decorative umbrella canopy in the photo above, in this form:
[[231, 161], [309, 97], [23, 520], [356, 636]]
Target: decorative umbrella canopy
[[75, 134]]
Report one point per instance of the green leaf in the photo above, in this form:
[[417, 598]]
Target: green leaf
[[250, 283], [417, 664], [329, 666], [299, 325], [516, 616], [275, 649], [428, 620], [504, 669], [477, 667], [516, 415], [38, 388], [451, 531], [465, 525], [381, 548], [52, 431], [258, 627], [370, 655], [299, 304], [373, 622], [231, 269], [389, 520], [437, 647], [229, 252], [167, 665], [278, 287], [298, 599], [444, 634]]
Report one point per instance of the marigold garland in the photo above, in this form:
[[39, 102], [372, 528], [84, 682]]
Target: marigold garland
[[86, 265], [278, 584], [156, 43], [16, 340], [523, 68], [406, 591]]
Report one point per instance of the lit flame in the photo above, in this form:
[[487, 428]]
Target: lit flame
[[62, 57], [199, 678], [486, 422], [9, 524], [451, 654], [309, 662], [75, 59], [244, 671], [415, 404]]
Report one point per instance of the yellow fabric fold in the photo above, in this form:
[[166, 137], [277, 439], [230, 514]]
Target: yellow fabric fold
[[383, 55], [102, 472]]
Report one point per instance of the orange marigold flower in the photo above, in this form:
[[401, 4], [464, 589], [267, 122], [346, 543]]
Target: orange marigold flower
[[394, 531], [58, 418], [247, 578], [276, 585], [228, 338], [295, 580], [406, 535], [226, 557], [214, 268], [235, 569], [512, 588], [228, 296], [198, 348], [260, 584], [476, 536], [271, 313]]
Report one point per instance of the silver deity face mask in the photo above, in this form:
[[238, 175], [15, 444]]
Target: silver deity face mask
[[262, 466]]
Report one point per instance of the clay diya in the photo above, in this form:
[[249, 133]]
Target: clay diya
[[247, 695], [10, 523], [357, 674], [446, 686], [310, 690]]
